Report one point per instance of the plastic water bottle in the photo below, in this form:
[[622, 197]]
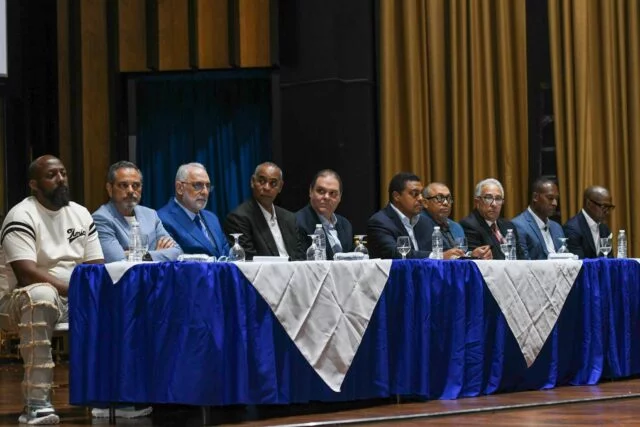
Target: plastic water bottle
[[135, 243], [321, 242], [436, 243], [622, 244], [511, 241]]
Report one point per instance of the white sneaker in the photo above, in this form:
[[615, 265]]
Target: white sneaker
[[123, 412], [39, 416]]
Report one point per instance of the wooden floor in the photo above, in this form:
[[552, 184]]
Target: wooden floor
[[609, 403]]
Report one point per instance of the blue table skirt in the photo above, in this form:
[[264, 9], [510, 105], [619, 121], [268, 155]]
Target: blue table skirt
[[196, 333]]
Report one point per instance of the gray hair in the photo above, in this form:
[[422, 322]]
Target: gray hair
[[255, 172], [427, 189], [183, 170], [488, 181], [122, 164]]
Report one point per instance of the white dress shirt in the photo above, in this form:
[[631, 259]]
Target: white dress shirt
[[408, 225], [272, 221], [595, 230], [545, 230]]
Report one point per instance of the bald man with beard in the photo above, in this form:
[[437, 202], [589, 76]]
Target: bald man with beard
[[43, 237]]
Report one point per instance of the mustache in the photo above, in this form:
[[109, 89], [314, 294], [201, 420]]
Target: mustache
[[59, 196]]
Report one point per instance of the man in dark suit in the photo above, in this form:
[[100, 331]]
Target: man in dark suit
[[585, 229], [437, 201], [483, 226], [196, 230], [267, 230], [538, 234], [325, 193], [401, 217]]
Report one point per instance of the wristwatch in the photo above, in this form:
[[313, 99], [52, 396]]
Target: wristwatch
[[147, 257]]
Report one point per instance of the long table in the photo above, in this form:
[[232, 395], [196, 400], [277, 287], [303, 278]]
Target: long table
[[200, 334]]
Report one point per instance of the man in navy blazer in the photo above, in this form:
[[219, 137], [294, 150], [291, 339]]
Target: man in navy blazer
[[325, 193], [401, 217], [538, 234], [483, 226], [437, 201], [195, 229], [584, 229], [113, 219]]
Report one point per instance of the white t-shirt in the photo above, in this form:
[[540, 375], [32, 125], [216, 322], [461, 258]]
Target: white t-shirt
[[56, 241]]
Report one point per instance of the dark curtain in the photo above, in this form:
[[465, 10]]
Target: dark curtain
[[222, 121]]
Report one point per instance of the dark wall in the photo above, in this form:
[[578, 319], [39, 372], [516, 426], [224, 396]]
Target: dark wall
[[327, 102], [30, 90]]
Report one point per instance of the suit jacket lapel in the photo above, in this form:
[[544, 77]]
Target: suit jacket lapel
[[393, 216], [586, 231], [189, 225], [264, 232], [534, 226]]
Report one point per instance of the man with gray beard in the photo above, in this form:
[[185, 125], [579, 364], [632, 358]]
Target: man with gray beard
[[196, 229]]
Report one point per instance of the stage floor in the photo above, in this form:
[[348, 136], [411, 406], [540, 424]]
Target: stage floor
[[609, 403]]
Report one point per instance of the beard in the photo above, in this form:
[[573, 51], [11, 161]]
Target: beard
[[59, 197]]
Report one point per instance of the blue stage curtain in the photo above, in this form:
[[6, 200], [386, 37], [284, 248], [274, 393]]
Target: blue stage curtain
[[222, 120]]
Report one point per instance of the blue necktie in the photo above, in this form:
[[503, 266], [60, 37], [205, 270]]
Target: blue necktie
[[201, 225]]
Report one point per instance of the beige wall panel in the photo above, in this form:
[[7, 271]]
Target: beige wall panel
[[254, 33], [132, 35], [95, 100], [213, 33], [173, 35]]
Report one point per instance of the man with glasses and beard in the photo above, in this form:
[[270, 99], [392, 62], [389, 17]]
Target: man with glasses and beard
[[586, 228], [437, 202], [114, 219], [196, 230], [43, 237], [484, 226]]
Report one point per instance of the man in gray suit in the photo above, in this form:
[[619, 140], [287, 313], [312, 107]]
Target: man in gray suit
[[537, 233], [113, 219]]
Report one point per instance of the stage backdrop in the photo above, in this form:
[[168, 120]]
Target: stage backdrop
[[221, 120]]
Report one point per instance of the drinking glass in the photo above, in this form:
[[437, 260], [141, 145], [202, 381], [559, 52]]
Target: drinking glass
[[236, 253], [404, 246], [605, 245], [360, 247], [312, 252], [506, 249], [563, 249], [461, 243]]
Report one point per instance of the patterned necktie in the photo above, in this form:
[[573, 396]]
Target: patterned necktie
[[496, 233]]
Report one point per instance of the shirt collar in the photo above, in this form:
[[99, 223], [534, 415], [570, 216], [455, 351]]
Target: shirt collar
[[444, 226], [541, 224], [269, 217], [329, 223], [404, 219], [590, 222], [190, 214]]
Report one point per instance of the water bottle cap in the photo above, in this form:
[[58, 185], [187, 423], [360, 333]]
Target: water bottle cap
[[436, 228], [318, 225]]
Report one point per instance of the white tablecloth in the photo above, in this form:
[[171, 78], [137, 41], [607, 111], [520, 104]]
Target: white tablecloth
[[531, 295]]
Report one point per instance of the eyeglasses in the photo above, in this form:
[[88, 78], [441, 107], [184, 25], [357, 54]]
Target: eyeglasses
[[199, 186], [123, 185], [488, 199], [603, 206], [441, 199]]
